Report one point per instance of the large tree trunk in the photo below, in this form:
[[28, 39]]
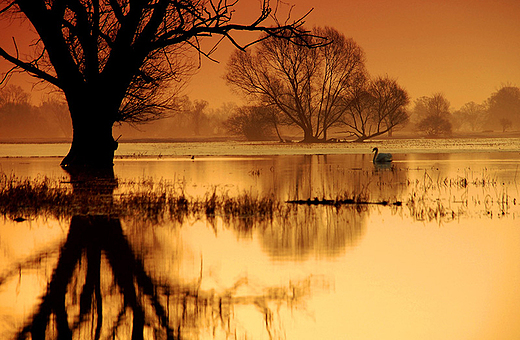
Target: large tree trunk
[[308, 136], [93, 145]]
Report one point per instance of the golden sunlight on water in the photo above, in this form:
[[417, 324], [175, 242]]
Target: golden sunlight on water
[[443, 263], [426, 282]]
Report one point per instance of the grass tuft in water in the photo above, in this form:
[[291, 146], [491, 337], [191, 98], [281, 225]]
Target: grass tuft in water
[[23, 199]]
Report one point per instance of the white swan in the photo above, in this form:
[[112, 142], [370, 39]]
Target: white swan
[[381, 157]]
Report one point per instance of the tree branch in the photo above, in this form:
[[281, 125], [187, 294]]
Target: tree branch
[[30, 68]]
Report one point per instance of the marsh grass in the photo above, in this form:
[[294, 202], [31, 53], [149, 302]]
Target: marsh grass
[[23, 198], [444, 199], [429, 198]]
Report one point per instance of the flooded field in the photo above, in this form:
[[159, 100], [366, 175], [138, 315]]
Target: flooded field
[[264, 241]]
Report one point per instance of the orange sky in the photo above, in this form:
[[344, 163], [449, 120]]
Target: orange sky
[[465, 49]]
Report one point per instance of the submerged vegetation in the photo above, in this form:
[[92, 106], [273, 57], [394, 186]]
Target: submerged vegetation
[[444, 199], [24, 198], [426, 199]]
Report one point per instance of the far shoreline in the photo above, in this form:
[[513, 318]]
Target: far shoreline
[[400, 135]]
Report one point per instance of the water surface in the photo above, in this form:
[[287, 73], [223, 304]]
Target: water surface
[[443, 263]]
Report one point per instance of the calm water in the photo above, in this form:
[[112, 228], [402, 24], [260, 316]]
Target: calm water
[[445, 264]]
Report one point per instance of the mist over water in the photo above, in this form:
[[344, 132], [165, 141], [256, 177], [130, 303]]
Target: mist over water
[[441, 264]]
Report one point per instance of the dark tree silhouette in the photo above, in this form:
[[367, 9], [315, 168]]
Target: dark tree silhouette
[[504, 107], [305, 85], [433, 115], [375, 108], [253, 122], [471, 116], [112, 59]]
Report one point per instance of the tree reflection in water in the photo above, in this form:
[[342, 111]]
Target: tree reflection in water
[[100, 288], [114, 282], [324, 230], [76, 284]]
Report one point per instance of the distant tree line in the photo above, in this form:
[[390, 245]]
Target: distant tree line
[[187, 119], [430, 116], [19, 119], [433, 117], [327, 90]]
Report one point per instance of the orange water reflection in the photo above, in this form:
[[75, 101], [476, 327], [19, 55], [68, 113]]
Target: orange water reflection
[[443, 265]]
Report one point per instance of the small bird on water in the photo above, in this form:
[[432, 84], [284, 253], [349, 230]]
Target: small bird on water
[[381, 157]]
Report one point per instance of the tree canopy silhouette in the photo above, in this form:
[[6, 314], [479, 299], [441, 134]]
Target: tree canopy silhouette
[[114, 59], [504, 107], [433, 114], [375, 108], [306, 85]]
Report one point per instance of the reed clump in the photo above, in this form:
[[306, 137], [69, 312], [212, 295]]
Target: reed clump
[[32, 197], [22, 199], [445, 199]]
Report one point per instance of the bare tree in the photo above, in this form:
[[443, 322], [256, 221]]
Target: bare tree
[[504, 107], [13, 94], [472, 115], [15, 107], [253, 122], [195, 112], [433, 115], [505, 123], [305, 85], [375, 108], [112, 59]]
